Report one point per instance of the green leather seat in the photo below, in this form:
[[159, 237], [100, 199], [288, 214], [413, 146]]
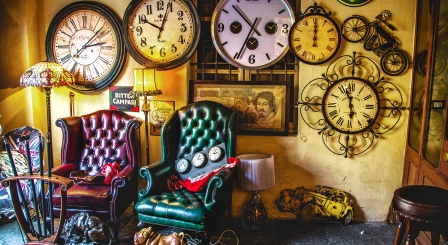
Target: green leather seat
[[192, 128]]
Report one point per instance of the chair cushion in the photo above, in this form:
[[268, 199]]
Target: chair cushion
[[422, 202], [90, 196], [179, 205]]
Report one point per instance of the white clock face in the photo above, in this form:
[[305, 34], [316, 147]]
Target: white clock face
[[199, 159], [351, 105], [182, 166], [252, 34], [215, 153], [86, 45]]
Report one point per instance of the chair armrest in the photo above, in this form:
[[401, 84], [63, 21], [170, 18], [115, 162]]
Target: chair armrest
[[64, 170], [157, 175], [122, 177], [220, 179]]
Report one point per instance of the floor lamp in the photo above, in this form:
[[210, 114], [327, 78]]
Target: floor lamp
[[47, 74], [145, 86]]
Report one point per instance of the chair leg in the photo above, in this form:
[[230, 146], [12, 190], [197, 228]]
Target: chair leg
[[399, 233], [435, 238], [115, 225], [141, 225]]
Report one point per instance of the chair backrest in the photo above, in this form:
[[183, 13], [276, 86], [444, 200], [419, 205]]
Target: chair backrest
[[198, 126], [101, 136]]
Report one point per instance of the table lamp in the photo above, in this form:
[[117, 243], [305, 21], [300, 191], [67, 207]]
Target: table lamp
[[47, 74], [256, 172], [145, 86]]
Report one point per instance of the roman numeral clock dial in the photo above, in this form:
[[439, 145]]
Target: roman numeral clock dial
[[252, 34], [351, 105], [161, 34], [86, 39], [315, 37]]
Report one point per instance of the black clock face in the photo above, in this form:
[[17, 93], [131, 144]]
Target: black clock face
[[350, 105], [199, 160], [86, 39]]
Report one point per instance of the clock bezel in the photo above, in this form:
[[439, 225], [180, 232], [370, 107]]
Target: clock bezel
[[327, 94], [315, 10], [115, 24], [135, 54], [231, 61]]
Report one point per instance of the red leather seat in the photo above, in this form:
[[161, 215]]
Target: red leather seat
[[88, 142]]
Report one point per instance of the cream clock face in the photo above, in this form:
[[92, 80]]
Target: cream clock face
[[85, 38], [252, 34], [215, 153], [199, 159], [161, 33], [315, 39], [350, 105]]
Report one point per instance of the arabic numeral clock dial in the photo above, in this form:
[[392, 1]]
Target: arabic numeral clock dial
[[215, 153], [86, 39], [199, 160], [315, 37], [252, 34], [350, 105], [161, 34]]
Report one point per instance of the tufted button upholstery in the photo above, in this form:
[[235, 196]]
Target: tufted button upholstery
[[87, 142], [190, 129]]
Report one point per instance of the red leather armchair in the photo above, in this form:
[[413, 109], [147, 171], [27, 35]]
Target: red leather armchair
[[87, 142]]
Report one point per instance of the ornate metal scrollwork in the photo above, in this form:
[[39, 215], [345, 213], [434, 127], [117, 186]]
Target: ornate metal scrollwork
[[338, 133]]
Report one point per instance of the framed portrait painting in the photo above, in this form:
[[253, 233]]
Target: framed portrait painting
[[263, 107]]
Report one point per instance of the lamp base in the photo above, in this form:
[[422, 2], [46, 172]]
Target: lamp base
[[255, 214]]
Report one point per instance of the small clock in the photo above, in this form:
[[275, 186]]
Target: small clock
[[215, 153], [252, 34], [183, 166], [351, 105], [161, 34], [199, 159], [86, 39], [315, 37]]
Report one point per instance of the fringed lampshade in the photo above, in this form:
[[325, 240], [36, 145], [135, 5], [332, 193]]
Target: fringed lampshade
[[47, 74]]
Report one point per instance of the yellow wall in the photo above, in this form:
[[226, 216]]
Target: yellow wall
[[300, 160]]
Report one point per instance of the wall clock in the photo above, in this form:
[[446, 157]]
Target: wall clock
[[315, 37], [215, 154], [252, 34], [199, 159], [161, 34], [85, 38], [351, 105], [183, 166]]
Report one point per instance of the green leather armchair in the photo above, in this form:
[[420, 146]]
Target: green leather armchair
[[190, 129]]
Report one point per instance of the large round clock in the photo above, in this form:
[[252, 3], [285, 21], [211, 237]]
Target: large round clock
[[85, 38], [350, 105], [315, 37], [252, 34], [161, 34]]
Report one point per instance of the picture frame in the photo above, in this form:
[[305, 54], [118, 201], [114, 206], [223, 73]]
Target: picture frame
[[160, 112], [263, 107]]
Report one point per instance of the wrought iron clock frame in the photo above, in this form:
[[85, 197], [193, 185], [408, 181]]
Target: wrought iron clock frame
[[347, 142]]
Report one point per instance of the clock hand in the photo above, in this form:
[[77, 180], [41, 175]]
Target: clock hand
[[350, 104], [147, 22], [88, 41], [95, 44], [245, 18], [315, 33], [247, 38], [163, 21]]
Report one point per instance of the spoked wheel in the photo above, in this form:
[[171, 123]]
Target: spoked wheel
[[348, 217], [307, 212], [394, 62], [440, 62], [355, 29]]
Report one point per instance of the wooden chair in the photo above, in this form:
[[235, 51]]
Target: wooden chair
[[420, 208], [38, 225]]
